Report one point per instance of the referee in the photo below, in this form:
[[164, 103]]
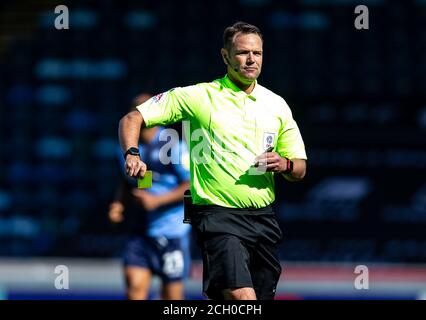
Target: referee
[[241, 134]]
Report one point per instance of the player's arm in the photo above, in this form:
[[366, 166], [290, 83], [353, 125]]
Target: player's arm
[[128, 133], [117, 207], [175, 195], [150, 201]]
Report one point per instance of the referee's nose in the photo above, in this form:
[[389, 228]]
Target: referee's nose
[[250, 58]]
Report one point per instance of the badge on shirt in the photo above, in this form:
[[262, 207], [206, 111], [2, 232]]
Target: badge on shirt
[[158, 97], [268, 140]]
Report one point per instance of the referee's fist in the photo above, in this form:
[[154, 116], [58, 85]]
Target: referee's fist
[[135, 167]]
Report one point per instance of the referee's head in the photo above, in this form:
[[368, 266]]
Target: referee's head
[[239, 28], [242, 52]]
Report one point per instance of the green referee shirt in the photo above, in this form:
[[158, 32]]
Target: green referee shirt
[[228, 129]]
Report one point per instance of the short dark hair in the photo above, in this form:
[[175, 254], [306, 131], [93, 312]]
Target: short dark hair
[[239, 27]]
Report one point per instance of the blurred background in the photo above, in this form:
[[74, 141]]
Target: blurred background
[[358, 97]]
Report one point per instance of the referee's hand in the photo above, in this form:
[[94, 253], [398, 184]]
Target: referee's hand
[[271, 161], [135, 167]]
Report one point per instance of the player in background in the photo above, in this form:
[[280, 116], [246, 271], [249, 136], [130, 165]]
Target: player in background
[[159, 241]]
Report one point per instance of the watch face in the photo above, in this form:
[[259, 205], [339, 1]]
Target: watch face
[[134, 151]]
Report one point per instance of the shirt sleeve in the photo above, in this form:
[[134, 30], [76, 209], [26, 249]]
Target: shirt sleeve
[[290, 143], [171, 106]]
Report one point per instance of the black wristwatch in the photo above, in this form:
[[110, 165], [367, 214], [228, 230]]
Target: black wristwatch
[[133, 151], [289, 166]]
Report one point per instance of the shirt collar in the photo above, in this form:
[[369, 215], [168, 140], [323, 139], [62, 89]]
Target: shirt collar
[[227, 83]]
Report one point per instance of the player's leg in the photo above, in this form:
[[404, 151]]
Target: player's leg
[[173, 291], [176, 259], [137, 268], [138, 282]]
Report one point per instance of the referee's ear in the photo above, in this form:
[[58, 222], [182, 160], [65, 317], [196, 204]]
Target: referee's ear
[[225, 56]]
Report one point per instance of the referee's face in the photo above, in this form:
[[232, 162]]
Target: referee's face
[[245, 57]]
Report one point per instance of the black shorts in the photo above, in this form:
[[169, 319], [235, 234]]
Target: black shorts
[[240, 249]]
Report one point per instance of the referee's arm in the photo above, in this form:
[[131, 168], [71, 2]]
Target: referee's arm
[[129, 130], [299, 170]]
